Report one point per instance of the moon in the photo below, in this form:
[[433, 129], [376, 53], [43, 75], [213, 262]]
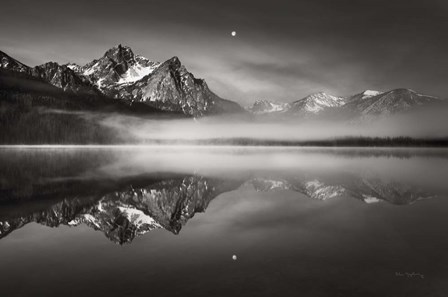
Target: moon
[[233, 33]]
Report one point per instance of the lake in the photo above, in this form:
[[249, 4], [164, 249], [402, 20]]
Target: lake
[[223, 221]]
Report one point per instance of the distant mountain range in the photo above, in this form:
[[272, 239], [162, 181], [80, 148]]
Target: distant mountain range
[[367, 103]]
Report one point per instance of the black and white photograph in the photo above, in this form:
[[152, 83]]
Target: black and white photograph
[[224, 148]]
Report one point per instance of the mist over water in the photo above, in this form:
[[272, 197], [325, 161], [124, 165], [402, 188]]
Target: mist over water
[[427, 123]]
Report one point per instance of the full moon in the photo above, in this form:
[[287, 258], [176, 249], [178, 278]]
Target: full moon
[[233, 33]]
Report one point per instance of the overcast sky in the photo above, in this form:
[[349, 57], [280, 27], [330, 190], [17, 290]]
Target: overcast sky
[[283, 50]]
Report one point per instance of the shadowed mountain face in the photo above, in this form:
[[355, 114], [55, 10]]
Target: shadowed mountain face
[[64, 78], [394, 101], [7, 62]]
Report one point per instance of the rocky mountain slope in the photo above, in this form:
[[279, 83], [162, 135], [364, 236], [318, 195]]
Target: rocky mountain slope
[[390, 102], [6, 62], [315, 103]]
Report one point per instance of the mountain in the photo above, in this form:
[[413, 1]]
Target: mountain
[[395, 101], [59, 76], [118, 66], [315, 103], [167, 86], [310, 105], [361, 96], [36, 111], [64, 78], [8, 63], [366, 103], [48, 103], [171, 87], [120, 74]]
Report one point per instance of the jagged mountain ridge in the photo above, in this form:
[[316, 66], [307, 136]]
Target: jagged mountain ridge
[[6, 62], [172, 87], [315, 103], [57, 75], [118, 66], [120, 74], [64, 78]]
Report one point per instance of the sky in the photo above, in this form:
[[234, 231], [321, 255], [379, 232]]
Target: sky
[[282, 51]]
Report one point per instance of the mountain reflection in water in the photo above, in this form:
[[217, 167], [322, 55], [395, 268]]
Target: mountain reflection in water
[[127, 192]]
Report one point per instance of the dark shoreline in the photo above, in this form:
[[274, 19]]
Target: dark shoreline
[[339, 142]]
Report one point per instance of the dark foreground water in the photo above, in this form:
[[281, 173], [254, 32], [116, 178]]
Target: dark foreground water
[[167, 222]]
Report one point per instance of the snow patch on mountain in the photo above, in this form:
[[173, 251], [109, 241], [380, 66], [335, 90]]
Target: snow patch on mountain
[[91, 219], [370, 93], [138, 217], [73, 67], [370, 199], [318, 190], [137, 72]]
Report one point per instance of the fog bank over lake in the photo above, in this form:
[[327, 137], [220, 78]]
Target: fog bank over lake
[[429, 123]]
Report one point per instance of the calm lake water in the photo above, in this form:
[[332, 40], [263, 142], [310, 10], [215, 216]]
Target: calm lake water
[[167, 221]]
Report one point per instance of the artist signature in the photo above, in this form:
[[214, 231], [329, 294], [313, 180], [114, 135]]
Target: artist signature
[[409, 274]]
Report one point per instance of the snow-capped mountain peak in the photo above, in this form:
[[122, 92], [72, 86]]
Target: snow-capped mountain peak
[[311, 104], [316, 103], [118, 66], [397, 100]]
